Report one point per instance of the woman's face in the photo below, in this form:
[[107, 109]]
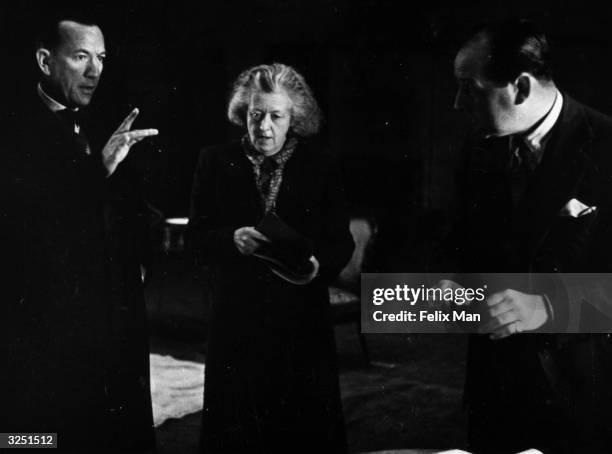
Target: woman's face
[[268, 121]]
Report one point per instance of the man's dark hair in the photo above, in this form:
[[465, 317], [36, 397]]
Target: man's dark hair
[[515, 46], [48, 31]]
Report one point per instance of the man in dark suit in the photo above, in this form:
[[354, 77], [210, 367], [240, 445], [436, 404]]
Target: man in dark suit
[[536, 195], [76, 325]]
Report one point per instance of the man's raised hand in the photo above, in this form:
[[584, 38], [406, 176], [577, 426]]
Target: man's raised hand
[[119, 144]]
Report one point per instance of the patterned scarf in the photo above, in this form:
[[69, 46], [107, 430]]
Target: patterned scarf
[[268, 170]]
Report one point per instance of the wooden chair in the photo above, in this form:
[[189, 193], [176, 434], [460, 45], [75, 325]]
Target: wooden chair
[[345, 293]]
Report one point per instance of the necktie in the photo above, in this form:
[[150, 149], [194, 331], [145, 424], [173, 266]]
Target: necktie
[[521, 170], [73, 119]]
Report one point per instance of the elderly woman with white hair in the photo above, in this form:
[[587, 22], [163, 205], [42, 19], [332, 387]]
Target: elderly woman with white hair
[[271, 374]]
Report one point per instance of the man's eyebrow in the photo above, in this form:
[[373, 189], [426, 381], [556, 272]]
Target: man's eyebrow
[[81, 49]]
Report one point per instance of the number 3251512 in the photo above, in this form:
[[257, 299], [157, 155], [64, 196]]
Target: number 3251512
[[31, 440]]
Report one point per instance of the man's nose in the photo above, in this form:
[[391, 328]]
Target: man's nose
[[94, 68]]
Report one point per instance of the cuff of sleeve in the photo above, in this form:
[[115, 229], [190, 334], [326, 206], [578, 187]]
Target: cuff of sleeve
[[549, 308]]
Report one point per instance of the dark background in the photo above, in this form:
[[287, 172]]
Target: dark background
[[381, 69]]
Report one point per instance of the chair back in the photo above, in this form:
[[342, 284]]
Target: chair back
[[363, 232]]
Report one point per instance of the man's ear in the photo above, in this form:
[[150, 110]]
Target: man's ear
[[523, 88], [42, 59]]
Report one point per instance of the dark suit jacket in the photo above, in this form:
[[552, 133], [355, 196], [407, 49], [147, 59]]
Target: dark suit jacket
[[76, 322], [529, 378], [271, 375]]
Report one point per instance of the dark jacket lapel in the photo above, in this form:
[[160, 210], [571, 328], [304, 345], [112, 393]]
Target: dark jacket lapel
[[50, 129], [556, 179]]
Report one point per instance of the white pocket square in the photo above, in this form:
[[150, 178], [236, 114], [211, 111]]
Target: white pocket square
[[575, 208]]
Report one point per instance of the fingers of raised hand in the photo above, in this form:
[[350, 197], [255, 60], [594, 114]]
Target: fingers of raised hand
[[139, 134], [129, 138], [126, 124]]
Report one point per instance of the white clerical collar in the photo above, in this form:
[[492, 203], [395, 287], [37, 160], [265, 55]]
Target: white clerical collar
[[49, 101], [536, 139]]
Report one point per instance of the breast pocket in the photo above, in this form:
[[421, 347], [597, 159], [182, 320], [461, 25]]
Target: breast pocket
[[570, 239]]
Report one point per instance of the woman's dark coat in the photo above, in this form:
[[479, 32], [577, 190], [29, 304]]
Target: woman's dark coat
[[271, 375]]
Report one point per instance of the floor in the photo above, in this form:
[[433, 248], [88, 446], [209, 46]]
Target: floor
[[409, 398]]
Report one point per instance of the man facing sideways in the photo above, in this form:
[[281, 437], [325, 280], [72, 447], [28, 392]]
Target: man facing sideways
[[536, 194], [75, 315]]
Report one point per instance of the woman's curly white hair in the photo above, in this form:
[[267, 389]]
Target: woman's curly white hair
[[306, 116]]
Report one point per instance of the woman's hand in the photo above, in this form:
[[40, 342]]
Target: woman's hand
[[248, 240]]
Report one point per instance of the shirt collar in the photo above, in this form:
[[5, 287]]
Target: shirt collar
[[536, 139], [51, 103]]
